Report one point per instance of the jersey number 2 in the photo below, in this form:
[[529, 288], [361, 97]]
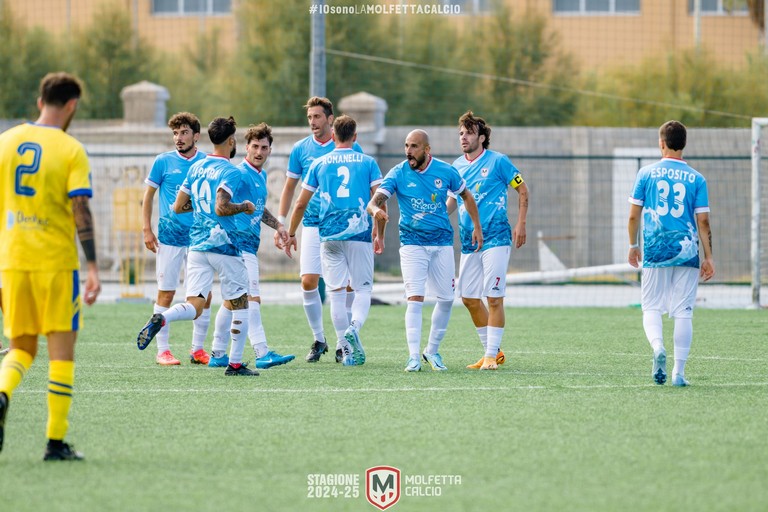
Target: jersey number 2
[[27, 169], [343, 172]]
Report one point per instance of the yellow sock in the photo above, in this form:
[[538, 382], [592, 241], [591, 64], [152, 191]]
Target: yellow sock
[[61, 377], [13, 369]]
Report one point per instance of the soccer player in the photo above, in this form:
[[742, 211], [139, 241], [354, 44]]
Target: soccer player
[[166, 176], [422, 184], [344, 181], [671, 201], [46, 186], [320, 118], [483, 273], [208, 190], [258, 140]]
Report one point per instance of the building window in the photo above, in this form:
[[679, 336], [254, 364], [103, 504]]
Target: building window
[[596, 6], [191, 7], [720, 7]]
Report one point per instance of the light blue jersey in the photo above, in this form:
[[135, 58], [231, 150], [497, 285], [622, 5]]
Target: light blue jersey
[[302, 155], [211, 233], [167, 174], [671, 194], [342, 181], [254, 189], [488, 178], [421, 196]]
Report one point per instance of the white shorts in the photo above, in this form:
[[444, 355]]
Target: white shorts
[[347, 262], [309, 253], [231, 270], [170, 260], [432, 266], [484, 273], [670, 290], [252, 267]]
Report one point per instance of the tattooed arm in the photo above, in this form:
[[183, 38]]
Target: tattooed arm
[[225, 207], [85, 232]]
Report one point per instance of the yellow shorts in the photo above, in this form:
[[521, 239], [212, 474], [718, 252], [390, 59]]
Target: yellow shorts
[[40, 302]]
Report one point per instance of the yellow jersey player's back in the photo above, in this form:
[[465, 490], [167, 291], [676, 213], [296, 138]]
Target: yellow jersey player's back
[[45, 188], [47, 167]]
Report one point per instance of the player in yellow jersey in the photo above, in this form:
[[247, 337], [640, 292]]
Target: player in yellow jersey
[[45, 186]]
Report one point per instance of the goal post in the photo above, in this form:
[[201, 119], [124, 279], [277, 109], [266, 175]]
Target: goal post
[[757, 127]]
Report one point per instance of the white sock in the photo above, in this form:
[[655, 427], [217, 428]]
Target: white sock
[[221, 332], [683, 337], [483, 333], [313, 308], [165, 333], [494, 341], [338, 301], [440, 317], [360, 308], [350, 300], [654, 330], [239, 333], [200, 329], [180, 311], [256, 334], [413, 327]]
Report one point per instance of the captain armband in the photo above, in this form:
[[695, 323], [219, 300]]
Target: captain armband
[[517, 181]]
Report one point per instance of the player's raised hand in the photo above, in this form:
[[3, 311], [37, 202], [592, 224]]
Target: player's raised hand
[[150, 240]]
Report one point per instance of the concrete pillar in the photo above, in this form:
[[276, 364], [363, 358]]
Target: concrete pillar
[[144, 103], [369, 111]]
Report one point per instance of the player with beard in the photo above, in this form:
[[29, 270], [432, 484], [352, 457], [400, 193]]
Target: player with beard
[[172, 243]]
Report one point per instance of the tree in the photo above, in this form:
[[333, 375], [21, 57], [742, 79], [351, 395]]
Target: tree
[[270, 76], [107, 57], [25, 57], [521, 48]]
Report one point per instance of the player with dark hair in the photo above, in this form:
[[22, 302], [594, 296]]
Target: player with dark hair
[[208, 190], [46, 182], [483, 274], [172, 243], [258, 147], [344, 180], [304, 152], [670, 202]]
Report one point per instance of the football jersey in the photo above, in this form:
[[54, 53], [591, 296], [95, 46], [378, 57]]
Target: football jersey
[[342, 181], [209, 232], [167, 174], [421, 196], [488, 177], [671, 194], [302, 155], [254, 189], [42, 168]]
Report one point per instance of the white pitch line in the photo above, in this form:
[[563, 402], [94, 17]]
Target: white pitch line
[[155, 391]]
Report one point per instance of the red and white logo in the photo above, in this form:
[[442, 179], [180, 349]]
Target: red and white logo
[[382, 486], [438, 183]]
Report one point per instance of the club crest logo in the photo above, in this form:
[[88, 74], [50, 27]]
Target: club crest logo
[[484, 172], [382, 486], [438, 183]]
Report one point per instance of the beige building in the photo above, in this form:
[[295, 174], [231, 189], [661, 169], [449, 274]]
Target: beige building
[[599, 33]]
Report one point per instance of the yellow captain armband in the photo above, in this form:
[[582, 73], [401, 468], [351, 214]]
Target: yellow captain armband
[[517, 181]]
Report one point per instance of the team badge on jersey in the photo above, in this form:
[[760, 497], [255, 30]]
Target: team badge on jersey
[[439, 183], [484, 172]]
